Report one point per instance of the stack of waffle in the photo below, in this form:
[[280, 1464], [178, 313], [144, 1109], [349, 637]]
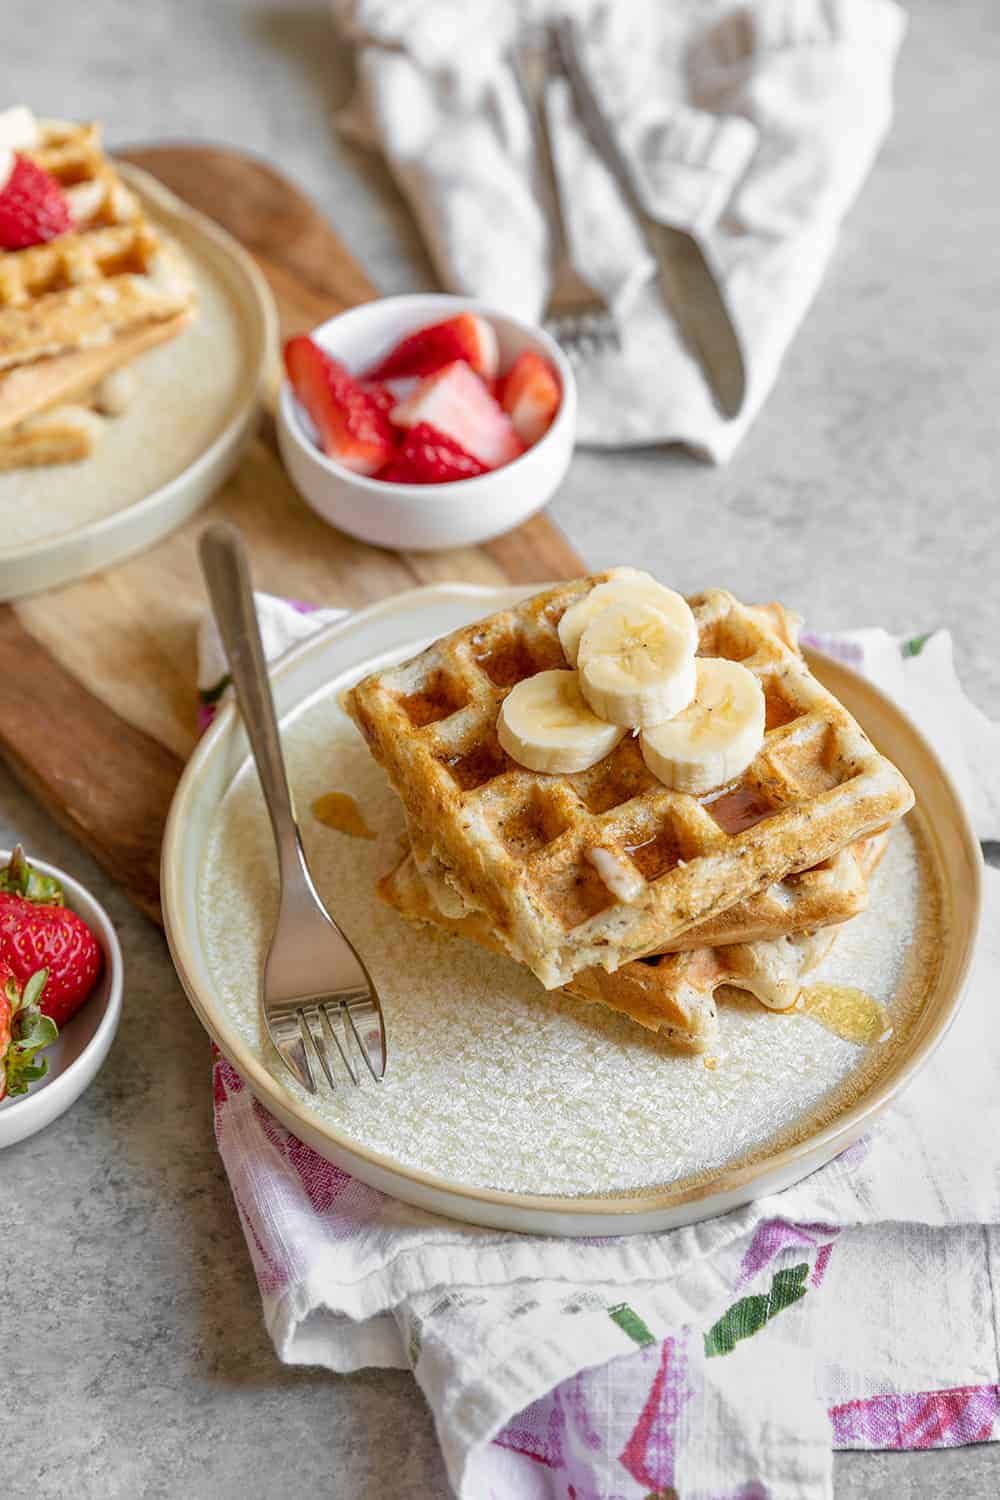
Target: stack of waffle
[[605, 881], [81, 306]]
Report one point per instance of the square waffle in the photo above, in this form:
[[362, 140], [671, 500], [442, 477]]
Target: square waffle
[[672, 993], [830, 892], [110, 274], [518, 845]]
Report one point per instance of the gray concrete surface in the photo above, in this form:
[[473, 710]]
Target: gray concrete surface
[[867, 492]]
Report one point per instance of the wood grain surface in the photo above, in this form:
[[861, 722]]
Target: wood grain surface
[[98, 704]]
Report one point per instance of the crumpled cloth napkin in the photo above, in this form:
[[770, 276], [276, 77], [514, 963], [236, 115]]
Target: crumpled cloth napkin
[[858, 1309], [752, 125]]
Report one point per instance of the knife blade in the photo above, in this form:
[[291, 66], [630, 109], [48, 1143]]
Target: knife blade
[[687, 282]]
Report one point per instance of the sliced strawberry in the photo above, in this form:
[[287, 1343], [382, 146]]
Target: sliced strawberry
[[457, 403], [384, 398], [352, 422], [531, 394], [401, 388], [33, 207], [467, 336], [431, 457]]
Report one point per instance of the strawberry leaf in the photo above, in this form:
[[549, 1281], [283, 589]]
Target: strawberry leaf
[[22, 879], [30, 1032], [32, 993]]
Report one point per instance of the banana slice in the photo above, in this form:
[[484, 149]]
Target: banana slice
[[636, 668], [718, 734], [631, 586], [544, 724]]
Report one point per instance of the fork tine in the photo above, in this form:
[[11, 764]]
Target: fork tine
[[293, 1053], [372, 1041], [324, 1014], [582, 334], [307, 1016]]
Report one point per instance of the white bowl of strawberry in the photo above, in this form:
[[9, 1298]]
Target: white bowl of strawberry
[[426, 421], [60, 993]]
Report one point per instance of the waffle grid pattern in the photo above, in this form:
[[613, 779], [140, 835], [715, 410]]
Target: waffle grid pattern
[[673, 993], [514, 843], [832, 891], [108, 274]]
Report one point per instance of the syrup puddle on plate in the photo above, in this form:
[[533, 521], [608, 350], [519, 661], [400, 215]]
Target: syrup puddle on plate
[[340, 811], [852, 1014]]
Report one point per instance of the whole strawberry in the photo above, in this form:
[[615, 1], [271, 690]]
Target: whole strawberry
[[33, 207], [36, 933]]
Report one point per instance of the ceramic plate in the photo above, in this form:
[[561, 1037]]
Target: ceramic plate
[[196, 407], [503, 1104]]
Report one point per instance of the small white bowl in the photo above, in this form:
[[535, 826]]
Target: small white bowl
[[424, 516], [82, 1046]]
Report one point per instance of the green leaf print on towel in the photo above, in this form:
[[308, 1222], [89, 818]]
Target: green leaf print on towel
[[749, 1315], [630, 1322]]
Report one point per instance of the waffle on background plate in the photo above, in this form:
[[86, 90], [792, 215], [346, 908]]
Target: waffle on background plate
[[515, 844], [81, 305]]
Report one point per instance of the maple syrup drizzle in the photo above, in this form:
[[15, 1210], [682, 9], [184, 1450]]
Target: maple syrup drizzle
[[849, 1013], [739, 810], [340, 811]]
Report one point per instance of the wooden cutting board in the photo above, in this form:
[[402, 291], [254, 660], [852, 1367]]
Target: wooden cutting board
[[97, 680]]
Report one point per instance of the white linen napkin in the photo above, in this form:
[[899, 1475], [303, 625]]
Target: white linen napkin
[[752, 125], [726, 1360]]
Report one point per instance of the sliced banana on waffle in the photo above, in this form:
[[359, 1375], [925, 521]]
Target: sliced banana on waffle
[[636, 667], [629, 586], [716, 737], [545, 724]]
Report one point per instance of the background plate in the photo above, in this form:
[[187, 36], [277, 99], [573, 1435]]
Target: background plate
[[155, 484], [392, 1138]]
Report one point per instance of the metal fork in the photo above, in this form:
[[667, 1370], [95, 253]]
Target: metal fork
[[579, 317], [316, 994]]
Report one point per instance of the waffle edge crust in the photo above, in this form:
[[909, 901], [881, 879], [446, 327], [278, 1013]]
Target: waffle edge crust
[[670, 993], [514, 844]]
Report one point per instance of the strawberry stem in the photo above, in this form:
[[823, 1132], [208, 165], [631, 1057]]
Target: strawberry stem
[[22, 879]]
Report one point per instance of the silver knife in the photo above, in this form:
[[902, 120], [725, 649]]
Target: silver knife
[[689, 287]]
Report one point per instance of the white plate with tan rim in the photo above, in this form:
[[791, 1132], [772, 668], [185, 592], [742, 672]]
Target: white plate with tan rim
[[195, 408], [516, 1108]]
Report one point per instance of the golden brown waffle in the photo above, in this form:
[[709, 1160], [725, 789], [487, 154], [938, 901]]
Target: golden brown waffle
[[515, 844], [111, 273], [684, 1014], [830, 892], [673, 993], [34, 387], [62, 435]]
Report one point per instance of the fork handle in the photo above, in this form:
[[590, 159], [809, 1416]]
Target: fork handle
[[227, 574]]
